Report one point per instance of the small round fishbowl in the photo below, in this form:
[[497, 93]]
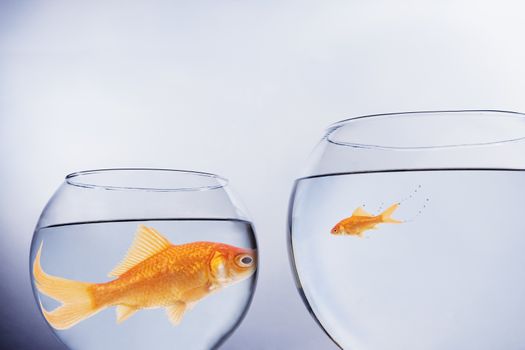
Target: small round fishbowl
[[407, 231], [143, 259]]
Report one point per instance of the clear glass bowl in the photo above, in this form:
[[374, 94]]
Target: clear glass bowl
[[406, 231], [179, 250]]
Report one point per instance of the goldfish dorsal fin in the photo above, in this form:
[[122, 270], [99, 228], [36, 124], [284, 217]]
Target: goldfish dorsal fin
[[176, 312], [361, 212], [147, 243]]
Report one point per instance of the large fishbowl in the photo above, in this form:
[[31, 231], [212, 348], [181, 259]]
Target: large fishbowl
[[143, 259], [406, 231]]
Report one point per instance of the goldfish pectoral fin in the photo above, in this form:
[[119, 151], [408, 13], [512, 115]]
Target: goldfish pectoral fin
[[147, 243], [176, 312], [124, 312], [218, 266], [361, 212]]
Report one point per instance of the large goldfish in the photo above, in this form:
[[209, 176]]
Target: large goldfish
[[154, 274], [362, 221]]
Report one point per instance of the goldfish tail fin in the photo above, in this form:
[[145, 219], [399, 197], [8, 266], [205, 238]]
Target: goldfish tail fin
[[386, 215], [76, 297]]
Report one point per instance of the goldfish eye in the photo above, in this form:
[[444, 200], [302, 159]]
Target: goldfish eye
[[245, 261]]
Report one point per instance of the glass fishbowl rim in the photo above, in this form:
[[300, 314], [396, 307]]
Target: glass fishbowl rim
[[335, 126], [221, 181]]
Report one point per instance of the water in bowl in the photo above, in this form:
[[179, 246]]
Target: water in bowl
[[89, 251], [448, 277]]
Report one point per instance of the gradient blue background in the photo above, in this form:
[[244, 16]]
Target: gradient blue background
[[240, 88]]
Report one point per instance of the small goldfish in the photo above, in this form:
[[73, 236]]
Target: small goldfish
[[362, 221], [154, 274]]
